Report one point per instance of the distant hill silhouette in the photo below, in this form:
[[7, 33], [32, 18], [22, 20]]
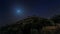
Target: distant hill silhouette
[[27, 25]]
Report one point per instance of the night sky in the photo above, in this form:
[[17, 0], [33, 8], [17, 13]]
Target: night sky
[[13, 10]]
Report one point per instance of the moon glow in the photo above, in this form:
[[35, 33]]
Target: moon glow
[[18, 11]]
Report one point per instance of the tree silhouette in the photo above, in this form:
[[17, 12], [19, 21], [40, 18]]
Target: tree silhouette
[[27, 24], [26, 29], [56, 18]]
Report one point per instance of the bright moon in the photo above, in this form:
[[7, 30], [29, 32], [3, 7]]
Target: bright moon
[[18, 11]]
